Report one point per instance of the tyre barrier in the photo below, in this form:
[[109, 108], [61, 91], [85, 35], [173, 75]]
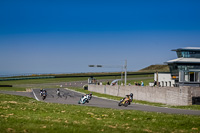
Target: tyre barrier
[[24, 78], [5, 85]]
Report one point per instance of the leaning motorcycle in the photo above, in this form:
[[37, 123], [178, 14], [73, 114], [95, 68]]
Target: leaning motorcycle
[[125, 102], [43, 95], [83, 100]]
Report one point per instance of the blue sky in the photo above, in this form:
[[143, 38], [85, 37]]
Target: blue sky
[[46, 36]]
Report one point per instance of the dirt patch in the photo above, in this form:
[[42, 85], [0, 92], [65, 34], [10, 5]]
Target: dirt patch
[[10, 130], [28, 90], [10, 102]]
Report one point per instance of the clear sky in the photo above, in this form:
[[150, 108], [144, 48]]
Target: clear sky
[[55, 36]]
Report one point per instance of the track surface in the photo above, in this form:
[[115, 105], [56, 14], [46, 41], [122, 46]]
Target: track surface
[[72, 97]]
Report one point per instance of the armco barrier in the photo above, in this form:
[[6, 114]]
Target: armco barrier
[[24, 78], [167, 95], [5, 85]]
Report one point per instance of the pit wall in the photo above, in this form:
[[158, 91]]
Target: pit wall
[[168, 95]]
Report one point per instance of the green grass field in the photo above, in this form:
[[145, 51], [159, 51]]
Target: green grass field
[[12, 89], [22, 114]]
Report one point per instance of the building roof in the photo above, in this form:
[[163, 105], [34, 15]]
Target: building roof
[[184, 60], [187, 48]]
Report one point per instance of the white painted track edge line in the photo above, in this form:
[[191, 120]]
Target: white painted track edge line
[[35, 95]]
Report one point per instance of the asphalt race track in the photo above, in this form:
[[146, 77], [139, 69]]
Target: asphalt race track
[[72, 97]]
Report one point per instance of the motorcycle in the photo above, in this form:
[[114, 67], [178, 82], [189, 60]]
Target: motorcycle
[[83, 100], [125, 101], [44, 95]]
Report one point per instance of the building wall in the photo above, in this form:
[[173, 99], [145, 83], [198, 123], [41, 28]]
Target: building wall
[[195, 91], [168, 95]]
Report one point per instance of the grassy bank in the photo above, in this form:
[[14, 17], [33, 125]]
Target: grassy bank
[[22, 114], [12, 89]]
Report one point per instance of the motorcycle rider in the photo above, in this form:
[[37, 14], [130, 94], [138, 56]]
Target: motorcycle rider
[[44, 92], [85, 98], [126, 100], [58, 92], [41, 90], [89, 95], [130, 97]]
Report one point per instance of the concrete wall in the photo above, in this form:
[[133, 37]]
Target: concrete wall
[[195, 91], [168, 95]]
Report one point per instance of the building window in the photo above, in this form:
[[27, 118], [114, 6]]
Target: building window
[[188, 54], [179, 54], [189, 76], [196, 76], [186, 76]]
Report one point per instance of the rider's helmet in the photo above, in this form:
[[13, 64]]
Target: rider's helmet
[[90, 94], [131, 94]]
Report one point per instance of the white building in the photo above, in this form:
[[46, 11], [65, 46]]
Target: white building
[[184, 71], [164, 79]]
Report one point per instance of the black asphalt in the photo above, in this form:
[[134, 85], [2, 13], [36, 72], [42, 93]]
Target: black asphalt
[[72, 97]]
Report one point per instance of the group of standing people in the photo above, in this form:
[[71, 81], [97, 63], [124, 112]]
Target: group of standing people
[[138, 84], [135, 83]]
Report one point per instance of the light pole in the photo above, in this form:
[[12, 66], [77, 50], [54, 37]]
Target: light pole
[[125, 69]]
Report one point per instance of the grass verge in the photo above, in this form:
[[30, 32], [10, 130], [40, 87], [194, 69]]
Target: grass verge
[[40, 81], [22, 114], [12, 89]]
